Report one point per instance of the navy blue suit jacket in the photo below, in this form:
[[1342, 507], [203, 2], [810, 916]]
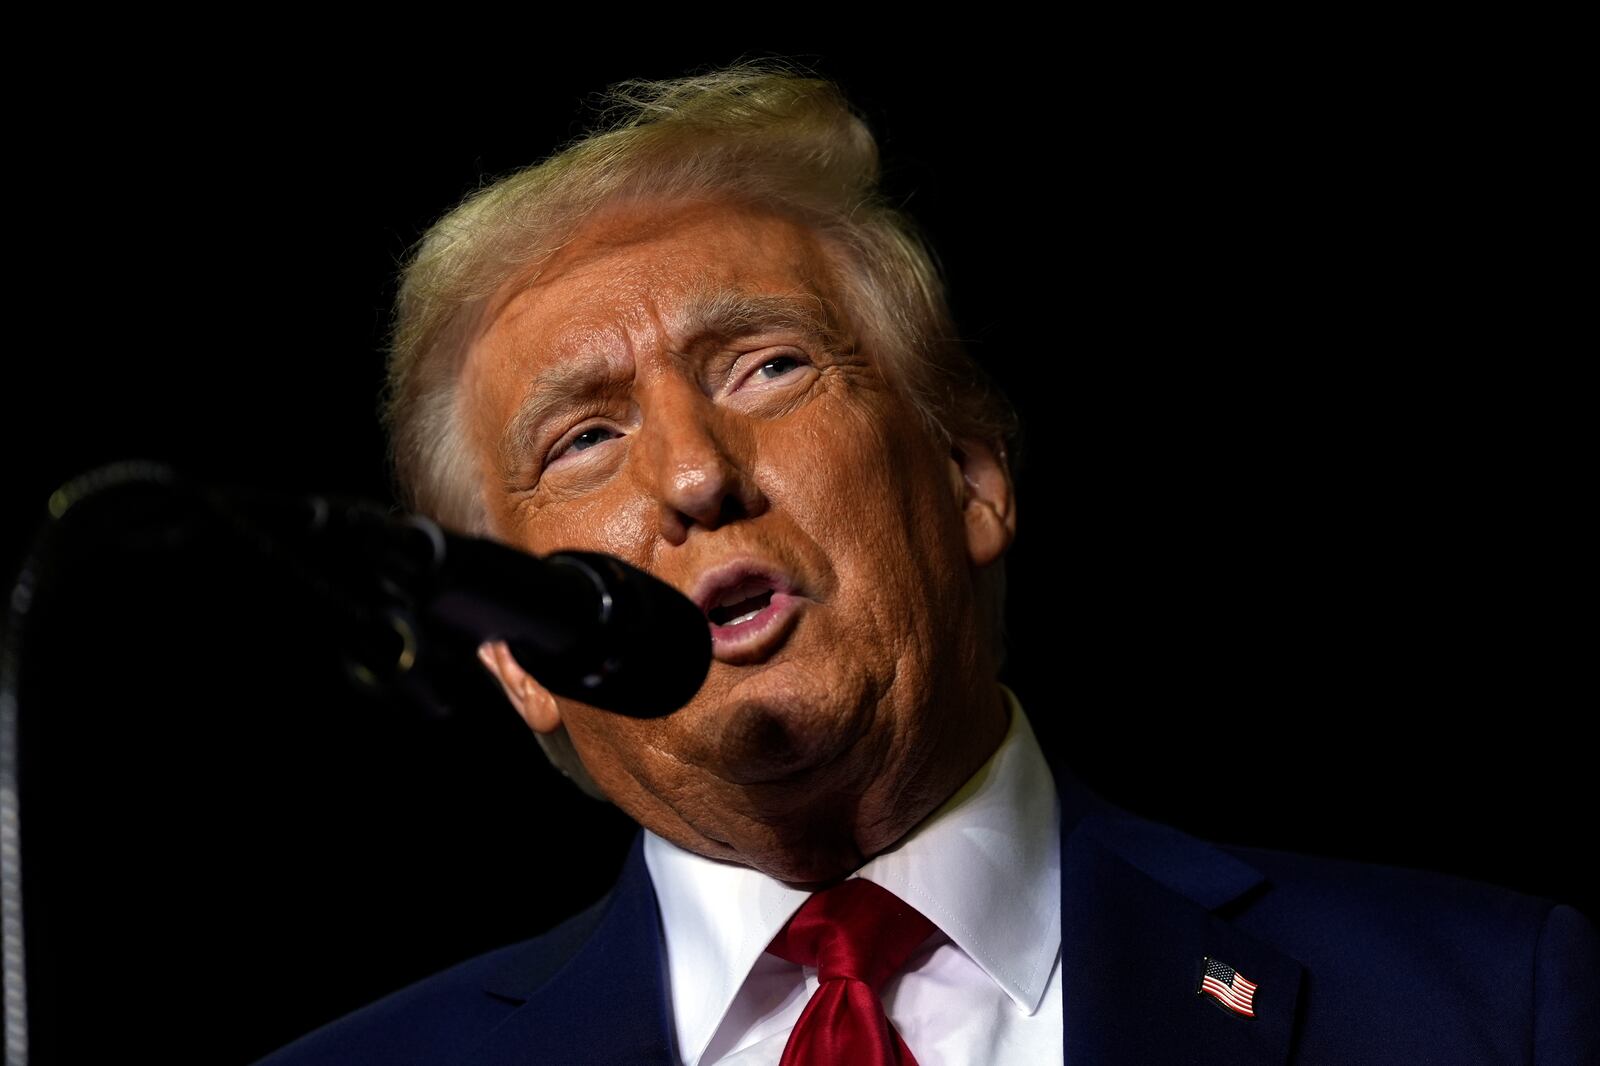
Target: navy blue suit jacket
[[1355, 965]]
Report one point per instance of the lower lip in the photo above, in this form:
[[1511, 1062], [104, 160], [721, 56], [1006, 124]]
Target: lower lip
[[755, 638]]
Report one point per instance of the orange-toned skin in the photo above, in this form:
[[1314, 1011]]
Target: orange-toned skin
[[829, 746]]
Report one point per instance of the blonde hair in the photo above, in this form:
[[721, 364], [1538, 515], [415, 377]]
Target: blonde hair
[[763, 133]]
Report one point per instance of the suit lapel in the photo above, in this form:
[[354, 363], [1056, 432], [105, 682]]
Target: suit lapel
[[1138, 903], [610, 1003], [1138, 914]]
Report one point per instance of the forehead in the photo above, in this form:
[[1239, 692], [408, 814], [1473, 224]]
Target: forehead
[[631, 274]]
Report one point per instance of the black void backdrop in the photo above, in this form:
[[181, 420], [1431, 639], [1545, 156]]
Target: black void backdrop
[[1295, 566]]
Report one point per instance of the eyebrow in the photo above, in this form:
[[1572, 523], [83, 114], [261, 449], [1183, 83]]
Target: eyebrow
[[728, 313], [709, 313], [559, 387]]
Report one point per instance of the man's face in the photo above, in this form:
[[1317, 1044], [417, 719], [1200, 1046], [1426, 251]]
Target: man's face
[[681, 388]]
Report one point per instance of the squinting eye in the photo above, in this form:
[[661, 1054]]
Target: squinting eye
[[786, 362], [586, 440]]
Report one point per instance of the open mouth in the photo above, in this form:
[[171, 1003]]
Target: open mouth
[[741, 603], [751, 610]]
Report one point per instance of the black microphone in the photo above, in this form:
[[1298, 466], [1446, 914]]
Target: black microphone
[[586, 625], [408, 601]]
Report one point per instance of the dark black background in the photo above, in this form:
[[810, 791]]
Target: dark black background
[[1297, 566]]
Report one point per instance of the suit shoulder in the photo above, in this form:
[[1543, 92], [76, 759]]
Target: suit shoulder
[[1397, 895], [438, 1017], [1373, 936]]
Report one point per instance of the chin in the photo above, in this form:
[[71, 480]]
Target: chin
[[774, 728], [814, 861]]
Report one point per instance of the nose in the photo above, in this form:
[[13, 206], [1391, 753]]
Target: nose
[[693, 460]]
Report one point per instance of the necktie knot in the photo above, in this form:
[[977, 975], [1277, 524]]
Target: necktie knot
[[857, 930]]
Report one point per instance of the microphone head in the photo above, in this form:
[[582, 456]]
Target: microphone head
[[648, 654]]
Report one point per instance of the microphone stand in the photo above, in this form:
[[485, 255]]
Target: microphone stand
[[380, 650], [384, 584]]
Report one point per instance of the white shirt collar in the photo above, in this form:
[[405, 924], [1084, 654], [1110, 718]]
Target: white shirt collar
[[985, 868]]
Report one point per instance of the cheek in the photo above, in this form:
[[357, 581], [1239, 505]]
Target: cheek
[[888, 474], [626, 530], [824, 471], [606, 521], [869, 488], [613, 521]]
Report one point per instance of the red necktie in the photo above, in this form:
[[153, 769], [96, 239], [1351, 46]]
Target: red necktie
[[858, 935]]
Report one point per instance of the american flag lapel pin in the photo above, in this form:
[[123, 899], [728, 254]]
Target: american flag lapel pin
[[1228, 987]]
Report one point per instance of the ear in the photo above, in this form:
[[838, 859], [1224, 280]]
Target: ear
[[982, 480], [532, 700]]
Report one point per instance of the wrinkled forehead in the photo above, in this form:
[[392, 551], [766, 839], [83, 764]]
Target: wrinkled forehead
[[643, 284], [654, 272]]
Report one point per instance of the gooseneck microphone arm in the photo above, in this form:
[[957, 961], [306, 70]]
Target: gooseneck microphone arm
[[397, 594], [587, 625]]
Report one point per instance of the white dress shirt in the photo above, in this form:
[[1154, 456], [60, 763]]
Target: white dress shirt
[[985, 988]]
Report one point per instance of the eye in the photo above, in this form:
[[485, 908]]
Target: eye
[[589, 438], [767, 378], [779, 365], [584, 441]]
